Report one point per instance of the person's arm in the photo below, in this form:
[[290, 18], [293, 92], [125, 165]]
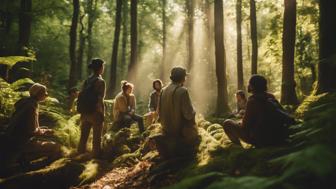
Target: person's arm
[[101, 91], [187, 107], [151, 105]]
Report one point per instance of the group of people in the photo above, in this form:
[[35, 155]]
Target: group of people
[[170, 105]]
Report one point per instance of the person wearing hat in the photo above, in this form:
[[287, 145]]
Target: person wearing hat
[[94, 119], [177, 117], [24, 125]]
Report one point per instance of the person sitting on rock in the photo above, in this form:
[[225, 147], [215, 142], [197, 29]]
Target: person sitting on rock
[[24, 126], [177, 116], [154, 99], [262, 123], [241, 104], [124, 108], [73, 95]]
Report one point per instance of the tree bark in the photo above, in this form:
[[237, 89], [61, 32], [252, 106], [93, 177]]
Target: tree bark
[[114, 58], [240, 73], [73, 41], [91, 10], [25, 19], [134, 39], [190, 6], [254, 37], [81, 48], [164, 39], [222, 94], [288, 93], [124, 36], [327, 64]]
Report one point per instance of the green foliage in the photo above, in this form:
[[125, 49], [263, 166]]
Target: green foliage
[[12, 60]]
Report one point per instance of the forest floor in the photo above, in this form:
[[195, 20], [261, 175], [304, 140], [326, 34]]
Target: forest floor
[[308, 161]]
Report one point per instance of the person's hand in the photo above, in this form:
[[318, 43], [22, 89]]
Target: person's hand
[[46, 132]]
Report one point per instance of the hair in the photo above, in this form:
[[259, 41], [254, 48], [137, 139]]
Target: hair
[[258, 83], [157, 81], [73, 90], [126, 85], [36, 89], [96, 64], [241, 94]]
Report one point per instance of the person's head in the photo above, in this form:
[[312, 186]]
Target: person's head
[[157, 84], [126, 87], [257, 84], [74, 92], [240, 95], [178, 75], [97, 66], [38, 91]]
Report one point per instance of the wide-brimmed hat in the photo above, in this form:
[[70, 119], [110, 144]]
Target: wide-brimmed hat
[[37, 89], [96, 63]]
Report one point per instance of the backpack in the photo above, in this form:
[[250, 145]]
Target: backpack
[[87, 98], [274, 129]]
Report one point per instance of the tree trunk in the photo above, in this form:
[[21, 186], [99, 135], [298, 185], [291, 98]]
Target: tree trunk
[[91, 10], [124, 37], [81, 48], [222, 94], [254, 37], [25, 19], [134, 40], [73, 41], [240, 74], [164, 39], [288, 93], [114, 58], [327, 64], [190, 6]]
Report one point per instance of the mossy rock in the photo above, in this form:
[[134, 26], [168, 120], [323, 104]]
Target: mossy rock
[[10, 67], [22, 84]]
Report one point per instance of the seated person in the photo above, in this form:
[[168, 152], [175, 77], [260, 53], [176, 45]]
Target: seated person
[[24, 126], [154, 99], [73, 95], [260, 125], [241, 104], [124, 108]]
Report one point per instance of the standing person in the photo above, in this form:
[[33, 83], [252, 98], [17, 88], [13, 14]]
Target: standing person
[[154, 99], [124, 108], [90, 105], [177, 116], [241, 104], [264, 122], [73, 95], [24, 126]]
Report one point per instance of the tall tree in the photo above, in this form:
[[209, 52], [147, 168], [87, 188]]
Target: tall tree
[[327, 64], [164, 38], [288, 93], [25, 19], [73, 41], [134, 39], [124, 36], [254, 37], [222, 94], [114, 58], [190, 9], [91, 11], [81, 47], [240, 74]]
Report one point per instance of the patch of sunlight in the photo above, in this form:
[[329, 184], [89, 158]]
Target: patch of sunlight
[[90, 171]]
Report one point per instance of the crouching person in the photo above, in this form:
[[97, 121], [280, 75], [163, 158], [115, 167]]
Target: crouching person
[[124, 109], [24, 128], [176, 114], [264, 123]]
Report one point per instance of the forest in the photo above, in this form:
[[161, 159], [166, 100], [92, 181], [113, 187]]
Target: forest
[[61, 47]]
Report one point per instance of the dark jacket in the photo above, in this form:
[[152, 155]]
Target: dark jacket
[[24, 121], [100, 89], [153, 101]]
